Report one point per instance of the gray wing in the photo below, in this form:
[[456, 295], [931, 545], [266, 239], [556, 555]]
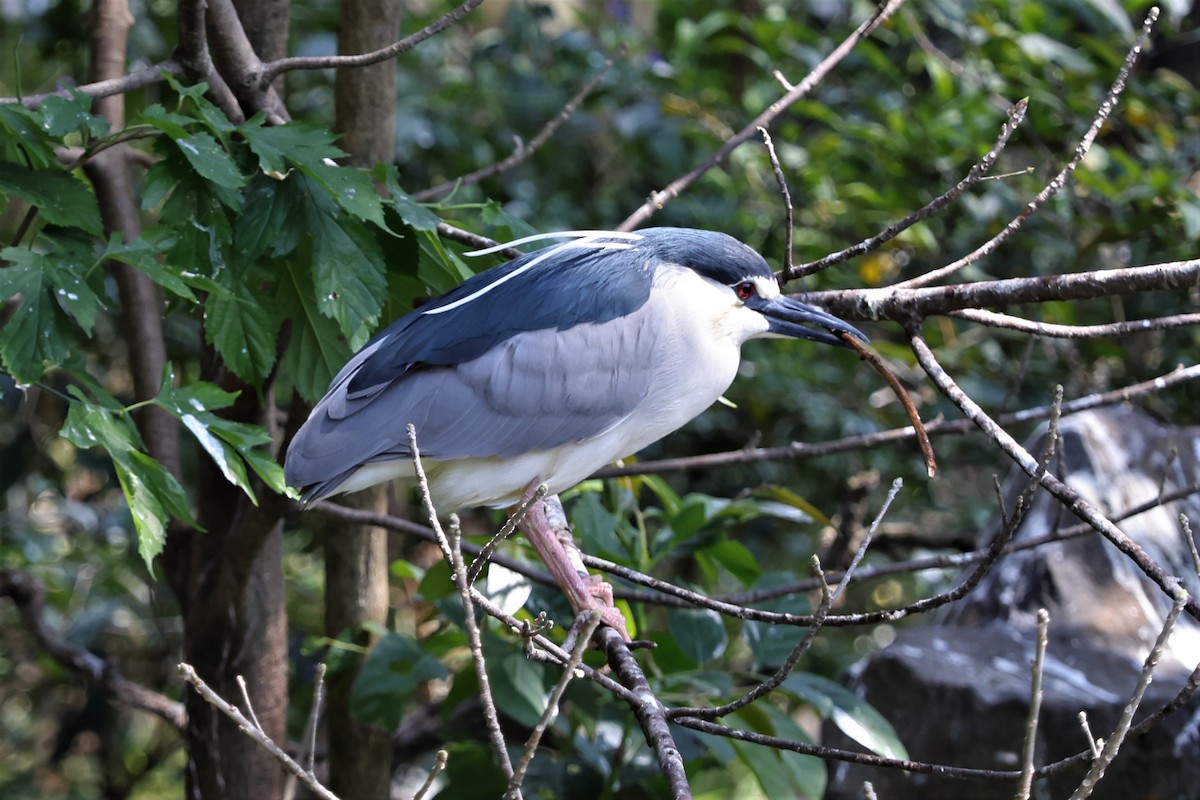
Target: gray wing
[[534, 391]]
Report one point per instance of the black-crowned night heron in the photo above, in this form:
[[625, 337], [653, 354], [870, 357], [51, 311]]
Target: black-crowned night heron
[[548, 367]]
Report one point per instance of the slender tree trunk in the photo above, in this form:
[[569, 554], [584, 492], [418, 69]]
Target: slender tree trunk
[[356, 564]]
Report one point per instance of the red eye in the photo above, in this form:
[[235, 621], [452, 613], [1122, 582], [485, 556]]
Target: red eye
[[745, 290]]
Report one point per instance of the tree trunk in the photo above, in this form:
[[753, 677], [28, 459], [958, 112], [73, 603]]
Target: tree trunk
[[356, 563]]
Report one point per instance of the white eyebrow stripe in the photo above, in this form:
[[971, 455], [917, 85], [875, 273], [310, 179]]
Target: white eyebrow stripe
[[540, 237], [589, 241]]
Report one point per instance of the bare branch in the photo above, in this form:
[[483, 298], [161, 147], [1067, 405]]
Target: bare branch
[[1075, 331], [648, 709], [1113, 744], [797, 450], [660, 198], [1070, 499], [1058, 181], [524, 150], [1035, 706], [451, 547], [188, 673], [551, 711], [789, 222], [900, 303], [28, 594], [145, 76], [1016, 116], [269, 72]]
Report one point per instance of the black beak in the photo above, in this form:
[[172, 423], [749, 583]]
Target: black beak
[[787, 317]]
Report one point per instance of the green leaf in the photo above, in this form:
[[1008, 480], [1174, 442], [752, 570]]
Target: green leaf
[[62, 199], [151, 491], [317, 349], [37, 333], [850, 713], [173, 125], [347, 265], [393, 670], [21, 136], [210, 160], [270, 219], [596, 526], [143, 253], [780, 773], [230, 444], [64, 115], [737, 558], [351, 188], [243, 325], [699, 633], [278, 147], [517, 684]]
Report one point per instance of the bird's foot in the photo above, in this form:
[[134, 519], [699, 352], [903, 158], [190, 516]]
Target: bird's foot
[[545, 526]]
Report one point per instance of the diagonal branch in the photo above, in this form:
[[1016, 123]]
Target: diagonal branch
[[269, 72], [1058, 181], [672, 190], [1016, 116], [1070, 499], [524, 150]]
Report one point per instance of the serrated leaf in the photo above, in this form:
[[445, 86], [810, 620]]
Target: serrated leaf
[[152, 493], [280, 146], [347, 265], [172, 124], [317, 350], [22, 136], [61, 199], [230, 444], [37, 331], [243, 325], [63, 115], [210, 160], [351, 188], [270, 218], [415, 215]]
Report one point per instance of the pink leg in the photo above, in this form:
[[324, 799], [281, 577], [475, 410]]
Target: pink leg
[[545, 526]]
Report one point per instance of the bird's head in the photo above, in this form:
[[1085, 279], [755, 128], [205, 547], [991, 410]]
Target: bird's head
[[751, 291]]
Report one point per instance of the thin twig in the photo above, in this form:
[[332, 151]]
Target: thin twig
[[451, 546], [439, 766], [1025, 784], [1094, 743], [902, 304], [241, 682], [524, 150], [798, 450], [145, 76], [481, 559], [898, 389], [789, 223], [188, 673], [672, 190], [1010, 322], [1113, 743], [1070, 499], [314, 717], [274, 69], [827, 599], [551, 711], [649, 710], [1016, 115], [1186, 527], [1058, 181]]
